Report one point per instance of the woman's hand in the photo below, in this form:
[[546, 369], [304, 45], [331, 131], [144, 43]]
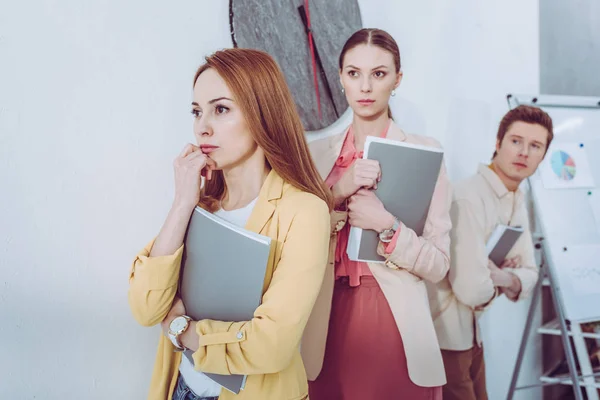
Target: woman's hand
[[362, 174], [177, 309], [189, 166], [189, 338], [366, 211]]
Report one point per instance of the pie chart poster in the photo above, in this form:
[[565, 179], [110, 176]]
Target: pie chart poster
[[566, 167]]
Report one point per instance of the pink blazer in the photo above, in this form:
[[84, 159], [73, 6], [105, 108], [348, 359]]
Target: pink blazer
[[414, 259]]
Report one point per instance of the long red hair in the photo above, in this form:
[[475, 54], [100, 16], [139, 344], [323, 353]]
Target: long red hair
[[259, 87]]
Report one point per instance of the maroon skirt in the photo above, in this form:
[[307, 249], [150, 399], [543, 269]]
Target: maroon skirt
[[364, 356]]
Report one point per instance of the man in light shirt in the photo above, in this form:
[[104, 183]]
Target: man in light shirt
[[483, 201]]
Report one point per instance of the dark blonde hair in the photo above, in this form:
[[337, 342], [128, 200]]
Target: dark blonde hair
[[259, 87], [374, 37]]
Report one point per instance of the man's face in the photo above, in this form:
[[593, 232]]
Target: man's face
[[521, 151]]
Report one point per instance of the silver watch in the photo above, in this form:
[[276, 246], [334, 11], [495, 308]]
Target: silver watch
[[177, 327], [387, 235]]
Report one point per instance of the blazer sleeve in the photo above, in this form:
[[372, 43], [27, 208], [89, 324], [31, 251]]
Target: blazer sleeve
[[153, 285], [267, 343], [426, 256]]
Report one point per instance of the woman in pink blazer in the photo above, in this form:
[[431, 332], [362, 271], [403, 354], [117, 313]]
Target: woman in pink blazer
[[370, 335]]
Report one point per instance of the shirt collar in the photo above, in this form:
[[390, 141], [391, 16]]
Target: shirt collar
[[490, 176]]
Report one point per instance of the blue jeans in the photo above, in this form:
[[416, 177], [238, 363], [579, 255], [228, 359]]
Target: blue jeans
[[183, 392]]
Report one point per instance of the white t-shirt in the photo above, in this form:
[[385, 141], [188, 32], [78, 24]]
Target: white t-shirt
[[202, 385]]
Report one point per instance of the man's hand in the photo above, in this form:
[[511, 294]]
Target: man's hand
[[511, 295], [508, 282], [514, 262]]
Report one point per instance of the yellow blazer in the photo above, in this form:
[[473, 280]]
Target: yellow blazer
[[401, 278], [268, 351]]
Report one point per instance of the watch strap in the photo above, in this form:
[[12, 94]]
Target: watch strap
[[175, 340], [387, 235]]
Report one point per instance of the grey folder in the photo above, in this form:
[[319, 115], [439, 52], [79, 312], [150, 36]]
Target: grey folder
[[501, 241], [223, 274], [409, 174]]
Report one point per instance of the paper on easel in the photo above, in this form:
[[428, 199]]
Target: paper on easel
[[566, 166], [594, 199], [583, 268]]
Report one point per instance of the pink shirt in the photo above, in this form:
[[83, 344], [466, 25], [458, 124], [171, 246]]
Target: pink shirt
[[343, 265]]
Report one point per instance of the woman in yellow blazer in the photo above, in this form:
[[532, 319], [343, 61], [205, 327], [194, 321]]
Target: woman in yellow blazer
[[371, 335], [252, 151]]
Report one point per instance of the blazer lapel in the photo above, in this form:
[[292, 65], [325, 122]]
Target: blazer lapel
[[395, 133], [326, 151], [271, 190]]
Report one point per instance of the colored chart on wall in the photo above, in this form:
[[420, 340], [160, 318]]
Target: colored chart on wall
[[563, 165], [566, 166]]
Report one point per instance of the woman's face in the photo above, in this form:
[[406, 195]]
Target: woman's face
[[368, 77], [219, 124]]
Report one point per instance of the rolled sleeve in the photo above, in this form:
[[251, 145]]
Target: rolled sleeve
[[153, 284]]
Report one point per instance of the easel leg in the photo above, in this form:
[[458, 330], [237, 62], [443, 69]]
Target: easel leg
[[565, 339], [528, 323], [584, 362]]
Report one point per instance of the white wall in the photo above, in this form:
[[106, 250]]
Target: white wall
[[570, 47], [94, 106]]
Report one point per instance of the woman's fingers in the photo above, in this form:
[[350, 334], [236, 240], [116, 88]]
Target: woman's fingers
[[188, 149]]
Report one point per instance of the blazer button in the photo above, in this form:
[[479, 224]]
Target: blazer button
[[240, 335]]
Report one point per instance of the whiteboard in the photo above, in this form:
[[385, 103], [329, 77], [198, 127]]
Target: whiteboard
[[569, 213]]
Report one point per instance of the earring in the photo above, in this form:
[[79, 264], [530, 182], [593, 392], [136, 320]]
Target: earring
[[342, 90], [393, 92]]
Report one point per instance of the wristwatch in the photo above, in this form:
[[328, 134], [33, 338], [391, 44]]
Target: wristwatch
[[176, 328], [387, 235]]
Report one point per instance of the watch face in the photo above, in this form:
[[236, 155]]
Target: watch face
[[386, 235], [178, 324], [279, 28]]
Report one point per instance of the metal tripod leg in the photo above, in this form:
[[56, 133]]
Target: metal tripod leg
[[564, 336], [528, 323], [565, 339], [584, 362]]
